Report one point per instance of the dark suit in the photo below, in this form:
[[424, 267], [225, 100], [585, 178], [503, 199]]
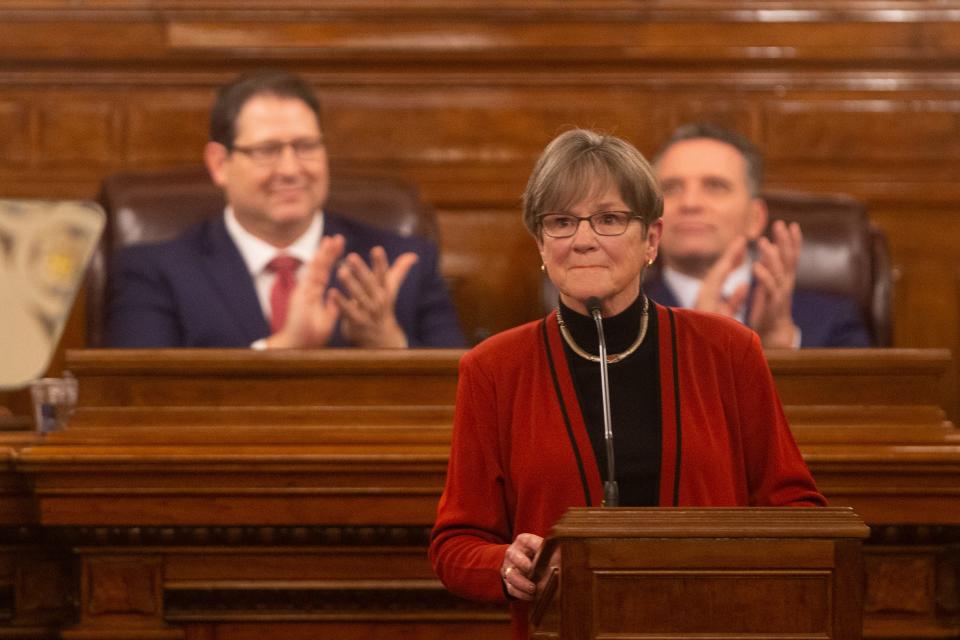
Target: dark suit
[[824, 319], [196, 291]]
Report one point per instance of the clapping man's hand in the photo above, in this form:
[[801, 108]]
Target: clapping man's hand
[[368, 298], [711, 298], [775, 272], [313, 311]]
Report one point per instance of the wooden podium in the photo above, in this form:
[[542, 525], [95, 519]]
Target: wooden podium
[[703, 573]]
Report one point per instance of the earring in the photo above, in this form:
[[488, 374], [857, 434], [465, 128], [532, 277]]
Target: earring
[[650, 262], [543, 267]]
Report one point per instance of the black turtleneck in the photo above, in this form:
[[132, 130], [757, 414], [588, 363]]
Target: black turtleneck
[[634, 399]]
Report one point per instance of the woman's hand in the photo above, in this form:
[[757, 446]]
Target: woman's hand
[[517, 566]]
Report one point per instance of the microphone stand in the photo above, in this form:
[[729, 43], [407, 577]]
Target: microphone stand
[[611, 492]]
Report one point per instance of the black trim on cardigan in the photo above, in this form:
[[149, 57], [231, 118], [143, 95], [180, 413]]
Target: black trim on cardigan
[[676, 396], [566, 418]]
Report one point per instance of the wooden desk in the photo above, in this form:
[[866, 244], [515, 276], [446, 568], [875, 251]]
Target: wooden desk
[[236, 494]]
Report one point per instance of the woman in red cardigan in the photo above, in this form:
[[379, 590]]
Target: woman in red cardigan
[[697, 418]]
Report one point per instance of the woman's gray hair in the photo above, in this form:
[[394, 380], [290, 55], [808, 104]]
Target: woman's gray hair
[[581, 163]]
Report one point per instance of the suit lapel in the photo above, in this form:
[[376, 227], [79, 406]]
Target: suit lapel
[[225, 267], [655, 287], [332, 225], [748, 305]]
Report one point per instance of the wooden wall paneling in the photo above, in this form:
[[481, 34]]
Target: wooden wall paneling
[[920, 240], [75, 129], [495, 259], [51, 34], [15, 126], [865, 127], [167, 127]]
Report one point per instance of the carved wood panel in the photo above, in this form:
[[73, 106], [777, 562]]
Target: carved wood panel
[[120, 587], [899, 583]]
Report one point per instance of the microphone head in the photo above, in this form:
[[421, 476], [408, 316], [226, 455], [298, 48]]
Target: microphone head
[[593, 304]]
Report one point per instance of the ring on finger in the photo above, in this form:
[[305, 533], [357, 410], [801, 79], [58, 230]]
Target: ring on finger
[[507, 571]]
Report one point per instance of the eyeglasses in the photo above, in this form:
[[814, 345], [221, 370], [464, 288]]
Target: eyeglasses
[[269, 153], [603, 223]]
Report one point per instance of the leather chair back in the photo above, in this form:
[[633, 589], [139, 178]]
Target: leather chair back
[[154, 206], [843, 252]]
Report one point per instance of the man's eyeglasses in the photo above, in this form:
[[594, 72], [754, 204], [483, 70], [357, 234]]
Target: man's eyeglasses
[[603, 223], [269, 153]]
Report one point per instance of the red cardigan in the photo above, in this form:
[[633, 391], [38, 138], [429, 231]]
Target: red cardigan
[[520, 457]]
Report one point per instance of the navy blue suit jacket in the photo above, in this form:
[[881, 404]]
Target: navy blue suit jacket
[[824, 319], [195, 291]]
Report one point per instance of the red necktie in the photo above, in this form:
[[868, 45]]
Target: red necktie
[[285, 268]]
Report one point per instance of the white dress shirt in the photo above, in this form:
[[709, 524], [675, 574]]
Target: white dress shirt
[[257, 254]]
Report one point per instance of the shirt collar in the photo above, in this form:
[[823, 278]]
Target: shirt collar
[[256, 253]]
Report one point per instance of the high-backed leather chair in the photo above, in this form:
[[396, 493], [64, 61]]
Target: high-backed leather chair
[[843, 252], [157, 205]]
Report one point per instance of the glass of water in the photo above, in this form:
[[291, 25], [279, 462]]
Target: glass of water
[[54, 400]]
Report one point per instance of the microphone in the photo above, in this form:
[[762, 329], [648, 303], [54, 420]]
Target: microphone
[[611, 492]]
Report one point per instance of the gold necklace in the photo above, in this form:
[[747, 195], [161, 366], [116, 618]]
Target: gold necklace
[[617, 357]]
